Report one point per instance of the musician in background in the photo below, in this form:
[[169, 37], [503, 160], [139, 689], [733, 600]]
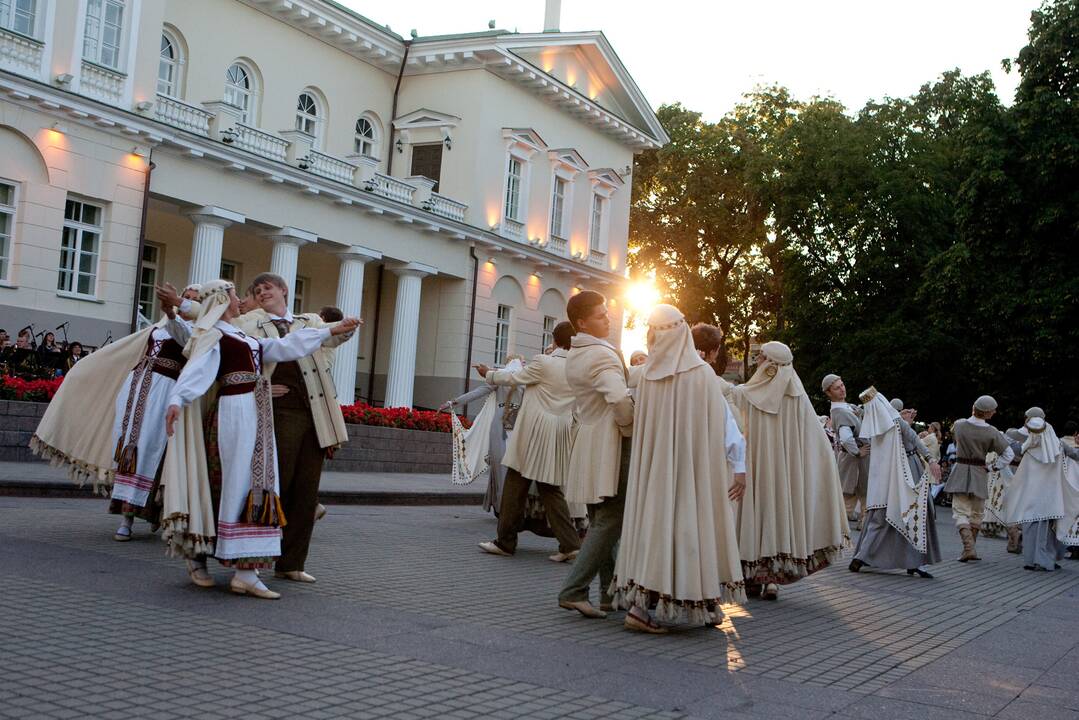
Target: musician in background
[[74, 354], [25, 340], [5, 340]]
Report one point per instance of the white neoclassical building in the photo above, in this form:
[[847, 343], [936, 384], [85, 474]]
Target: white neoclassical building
[[452, 190]]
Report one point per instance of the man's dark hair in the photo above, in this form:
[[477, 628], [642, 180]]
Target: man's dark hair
[[581, 305], [267, 277], [562, 333], [331, 314], [707, 338], [1071, 427]]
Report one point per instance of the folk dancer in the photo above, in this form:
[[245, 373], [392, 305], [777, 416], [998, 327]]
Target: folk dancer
[[679, 550], [899, 532], [307, 416], [1043, 497], [968, 482], [599, 461], [852, 452], [539, 449], [247, 536], [792, 521]]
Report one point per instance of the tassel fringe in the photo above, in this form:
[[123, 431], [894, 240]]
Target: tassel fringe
[[668, 609], [79, 472], [179, 543], [785, 569], [264, 508]]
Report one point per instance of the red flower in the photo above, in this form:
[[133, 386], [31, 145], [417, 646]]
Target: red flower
[[15, 388], [404, 418]]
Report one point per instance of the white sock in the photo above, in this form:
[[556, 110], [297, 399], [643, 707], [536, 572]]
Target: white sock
[[250, 577], [128, 521]]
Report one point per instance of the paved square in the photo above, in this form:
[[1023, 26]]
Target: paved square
[[408, 619]]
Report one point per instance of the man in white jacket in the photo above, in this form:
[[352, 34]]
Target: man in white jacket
[[538, 449]]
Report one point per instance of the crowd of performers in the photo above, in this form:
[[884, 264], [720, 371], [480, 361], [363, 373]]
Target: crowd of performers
[[679, 524], [225, 409], [222, 416]]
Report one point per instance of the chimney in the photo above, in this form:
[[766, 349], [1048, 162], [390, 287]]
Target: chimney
[[551, 15]]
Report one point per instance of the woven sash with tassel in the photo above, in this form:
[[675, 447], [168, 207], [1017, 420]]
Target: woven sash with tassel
[[127, 454], [263, 505]]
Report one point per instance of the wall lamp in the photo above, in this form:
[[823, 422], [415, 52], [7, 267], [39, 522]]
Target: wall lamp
[[64, 78], [448, 143], [399, 145]]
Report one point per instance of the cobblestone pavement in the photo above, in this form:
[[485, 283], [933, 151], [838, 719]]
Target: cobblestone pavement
[[409, 620]]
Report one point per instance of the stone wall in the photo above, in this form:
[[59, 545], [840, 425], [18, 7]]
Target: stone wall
[[369, 449]]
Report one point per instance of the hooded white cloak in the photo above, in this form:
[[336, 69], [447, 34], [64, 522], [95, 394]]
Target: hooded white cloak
[[1046, 486]]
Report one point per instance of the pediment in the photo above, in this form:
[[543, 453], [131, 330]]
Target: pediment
[[424, 118]]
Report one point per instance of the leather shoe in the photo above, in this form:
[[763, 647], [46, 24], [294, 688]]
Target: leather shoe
[[856, 565], [584, 607], [492, 547], [295, 576], [320, 512], [632, 622], [122, 534], [200, 577], [560, 557], [241, 588]]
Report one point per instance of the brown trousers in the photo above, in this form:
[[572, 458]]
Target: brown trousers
[[299, 468], [511, 513]]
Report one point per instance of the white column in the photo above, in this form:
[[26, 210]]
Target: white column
[[210, 223], [350, 301], [406, 324], [287, 242]]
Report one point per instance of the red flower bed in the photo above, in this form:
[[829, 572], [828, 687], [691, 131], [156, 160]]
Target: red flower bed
[[15, 388], [404, 418]]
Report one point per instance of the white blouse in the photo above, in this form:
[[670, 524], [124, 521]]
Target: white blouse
[[199, 374]]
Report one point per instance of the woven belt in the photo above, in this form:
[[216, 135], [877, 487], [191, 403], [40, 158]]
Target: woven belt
[[970, 461], [239, 378]]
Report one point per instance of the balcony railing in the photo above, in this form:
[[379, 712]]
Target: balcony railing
[[513, 229], [20, 54], [181, 115], [330, 167], [390, 187], [557, 245], [260, 143], [102, 83], [447, 208], [597, 259]]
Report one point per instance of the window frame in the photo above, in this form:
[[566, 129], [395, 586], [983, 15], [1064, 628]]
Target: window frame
[[359, 140], [503, 329], [299, 291], [176, 64], [558, 206], [249, 110], [157, 265], [81, 229], [236, 270], [98, 39], [315, 119], [8, 19], [510, 185], [597, 222], [547, 335], [7, 240]]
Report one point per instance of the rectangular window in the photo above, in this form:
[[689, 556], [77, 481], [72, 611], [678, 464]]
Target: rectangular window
[[548, 331], [79, 248], [148, 278], [19, 15], [230, 271], [502, 334], [596, 226], [7, 226], [558, 206], [427, 161], [513, 190], [104, 32], [299, 290]]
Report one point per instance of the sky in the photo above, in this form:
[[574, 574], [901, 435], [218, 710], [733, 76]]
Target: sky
[[706, 54]]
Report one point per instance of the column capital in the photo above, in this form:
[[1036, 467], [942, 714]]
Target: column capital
[[213, 215], [414, 269], [358, 253], [290, 235]]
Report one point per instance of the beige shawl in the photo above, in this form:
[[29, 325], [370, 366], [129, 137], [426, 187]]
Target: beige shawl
[[1038, 489], [77, 426], [678, 537], [188, 527]]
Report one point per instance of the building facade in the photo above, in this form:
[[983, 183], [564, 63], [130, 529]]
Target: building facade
[[453, 191]]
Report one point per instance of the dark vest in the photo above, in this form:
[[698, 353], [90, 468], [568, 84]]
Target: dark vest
[[237, 373]]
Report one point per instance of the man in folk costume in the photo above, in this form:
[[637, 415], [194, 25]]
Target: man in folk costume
[[968, 482], [1043, 497], [539, 449], [250, 517], [792, 521], [679, 548], [852, 452], [307, 416], [93, 437], [899, 532], [139, 427], [599, 461]]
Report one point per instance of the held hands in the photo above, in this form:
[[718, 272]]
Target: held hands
[[863, 451], [738, 487], [170, 419], [169, 298], [346, 326], [481, 369], [446, 406], [278, 390], [934, 470]]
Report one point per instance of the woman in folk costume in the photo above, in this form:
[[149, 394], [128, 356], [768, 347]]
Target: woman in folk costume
[[1043, 497], [792, 521], [79, 430], [139, 426], [679, 546], [900, 531], [248, 530]]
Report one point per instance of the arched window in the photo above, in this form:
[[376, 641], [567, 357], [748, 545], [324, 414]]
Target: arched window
[[307, 114], [366, 137], [240, 91], [170, 65]]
